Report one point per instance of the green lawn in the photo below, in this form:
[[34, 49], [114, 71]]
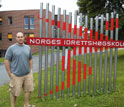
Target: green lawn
[[114, 99]]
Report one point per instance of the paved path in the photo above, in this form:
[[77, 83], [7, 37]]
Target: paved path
[[4, 78]]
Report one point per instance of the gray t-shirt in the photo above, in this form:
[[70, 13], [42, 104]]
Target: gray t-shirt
[[19, 57]]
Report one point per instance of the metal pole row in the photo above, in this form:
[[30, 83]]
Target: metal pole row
[[79, 54]]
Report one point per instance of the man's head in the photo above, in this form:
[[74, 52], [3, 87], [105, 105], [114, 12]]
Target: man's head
[[20, 38]]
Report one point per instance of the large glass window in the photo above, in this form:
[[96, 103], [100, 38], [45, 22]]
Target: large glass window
[[1, 20], [29, 22], [10, 20]]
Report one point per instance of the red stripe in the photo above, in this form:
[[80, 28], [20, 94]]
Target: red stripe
[[64, 25], [107, 25], [84, 76], [117, 23], [90, 70], [112, 23], [47, 20], [63, 63], [111, 39], [90, 49], [80, 50], [80, 31], [45, 94], [53, 22], [75, 29], [85, 49], [79, 71], [62, 88], [101, 38], [68, 69], [91, 34], [74, 51], [106, 38], [51, 91], [85, 37], [69, 28], [74, 71], [96, 35], [58, 24], [57, 88]]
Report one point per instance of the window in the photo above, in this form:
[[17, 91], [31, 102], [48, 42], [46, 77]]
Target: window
[[1, 20], [28, 22], [10, 37], [28, 35], [0, 36], [10, 20]]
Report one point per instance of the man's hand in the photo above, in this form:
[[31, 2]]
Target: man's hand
[[7, 66]]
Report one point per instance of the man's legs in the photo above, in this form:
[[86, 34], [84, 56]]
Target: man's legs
[[26, 98], [12, 100]]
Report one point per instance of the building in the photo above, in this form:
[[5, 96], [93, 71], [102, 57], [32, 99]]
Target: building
[[26, 21]]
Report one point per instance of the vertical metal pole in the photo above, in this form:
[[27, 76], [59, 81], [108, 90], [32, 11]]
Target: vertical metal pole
[[90, 56], [63, 53], [52, 53], [69, 55], [85, 56], [40, 55], [74, 55], [101, 53], [116, 50], [79, 58], [106, 51], [58, 54], [111, 49], [46, 52], [95, 70]]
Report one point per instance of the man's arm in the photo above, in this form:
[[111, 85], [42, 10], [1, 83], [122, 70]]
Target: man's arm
[[31, 64], [7, 66]]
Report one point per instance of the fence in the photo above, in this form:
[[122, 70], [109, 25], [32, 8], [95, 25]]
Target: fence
[[86, 74]]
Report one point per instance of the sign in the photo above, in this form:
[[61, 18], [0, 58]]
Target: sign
[[74, 42]]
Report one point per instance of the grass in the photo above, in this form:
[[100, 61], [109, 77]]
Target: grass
[[113, 99]]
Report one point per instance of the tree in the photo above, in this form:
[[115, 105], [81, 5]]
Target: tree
[[97, 7]]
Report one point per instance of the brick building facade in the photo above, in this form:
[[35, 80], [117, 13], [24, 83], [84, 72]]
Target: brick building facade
[[25, 21]]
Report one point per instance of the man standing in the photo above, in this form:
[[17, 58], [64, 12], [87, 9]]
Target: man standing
[[18, 63]]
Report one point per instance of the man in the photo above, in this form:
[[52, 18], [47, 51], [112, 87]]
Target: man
[[18, 63]]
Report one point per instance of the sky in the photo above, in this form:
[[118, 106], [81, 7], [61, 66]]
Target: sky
[[69, 5]]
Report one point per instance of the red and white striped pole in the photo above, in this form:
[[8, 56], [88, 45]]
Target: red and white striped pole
[[79, 58], [69, 55]]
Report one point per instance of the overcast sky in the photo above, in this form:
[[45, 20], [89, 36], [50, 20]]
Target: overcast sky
[[69, 5]]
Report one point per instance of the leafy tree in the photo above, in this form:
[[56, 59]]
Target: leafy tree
[[97, 7]]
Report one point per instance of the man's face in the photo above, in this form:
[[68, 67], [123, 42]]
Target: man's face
[[20, 38]]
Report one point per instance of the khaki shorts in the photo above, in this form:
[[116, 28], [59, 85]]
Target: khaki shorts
[[17, 83]]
